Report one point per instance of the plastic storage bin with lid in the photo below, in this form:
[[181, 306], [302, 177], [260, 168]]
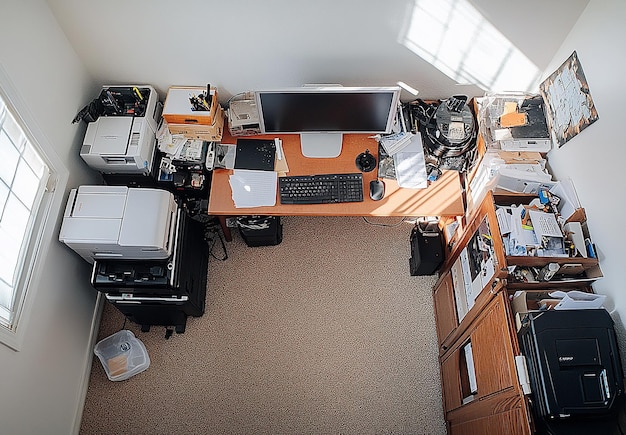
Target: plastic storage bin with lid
[[122, 355]]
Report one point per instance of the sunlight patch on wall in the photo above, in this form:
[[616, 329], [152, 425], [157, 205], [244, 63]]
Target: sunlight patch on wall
[[455, 38]]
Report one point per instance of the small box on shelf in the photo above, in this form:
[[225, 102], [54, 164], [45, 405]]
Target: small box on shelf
[[205, 132], [191, 105]]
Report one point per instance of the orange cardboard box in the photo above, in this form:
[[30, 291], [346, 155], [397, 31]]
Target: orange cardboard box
[[179, 110], [210, 133]]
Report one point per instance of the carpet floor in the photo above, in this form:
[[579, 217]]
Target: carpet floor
[[325, 333]]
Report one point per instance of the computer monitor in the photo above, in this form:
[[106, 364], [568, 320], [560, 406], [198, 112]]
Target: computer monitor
[[320, 115]]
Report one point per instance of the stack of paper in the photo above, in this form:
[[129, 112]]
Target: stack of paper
[[569, 202], [410, 165], [393, 143], [253, 188]]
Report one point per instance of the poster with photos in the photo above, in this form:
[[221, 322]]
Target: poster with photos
[[568, 100]]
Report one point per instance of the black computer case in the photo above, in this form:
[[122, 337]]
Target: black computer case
[[574, 368], [426, 248], [160, 292], [260, 230]]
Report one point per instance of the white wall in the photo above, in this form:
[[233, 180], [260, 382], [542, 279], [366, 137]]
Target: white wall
[[43, 385], [241, 45], [596, 159]]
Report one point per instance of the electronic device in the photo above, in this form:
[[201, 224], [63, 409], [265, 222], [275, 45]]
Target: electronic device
[[515, 122], [122, 139], [366, 162], [243, 118], [573, 363], [260, 230], [427, 253], [209, 163], [119, 222], [321, 114], [377, 189], [534, 135], [321, 189], [447, 127], [160, 292]]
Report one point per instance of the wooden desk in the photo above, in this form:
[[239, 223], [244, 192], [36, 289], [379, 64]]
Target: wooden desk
[[441, 198]]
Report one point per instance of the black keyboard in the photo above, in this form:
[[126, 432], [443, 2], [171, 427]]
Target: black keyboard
[[321, 189]]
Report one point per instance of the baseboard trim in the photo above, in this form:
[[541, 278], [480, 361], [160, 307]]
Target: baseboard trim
[[93, 336]]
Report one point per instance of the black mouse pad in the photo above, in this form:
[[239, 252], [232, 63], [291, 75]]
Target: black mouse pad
[[255, 154]]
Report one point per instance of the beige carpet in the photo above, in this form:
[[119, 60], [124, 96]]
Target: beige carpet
[[325, 333]]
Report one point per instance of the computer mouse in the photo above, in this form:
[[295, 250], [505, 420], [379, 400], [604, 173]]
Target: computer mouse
[[377, 190]]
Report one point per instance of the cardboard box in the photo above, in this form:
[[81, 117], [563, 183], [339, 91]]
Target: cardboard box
[[210, 133], [179, 110]]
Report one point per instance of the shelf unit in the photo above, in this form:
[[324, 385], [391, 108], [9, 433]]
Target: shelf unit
[[482, 394]]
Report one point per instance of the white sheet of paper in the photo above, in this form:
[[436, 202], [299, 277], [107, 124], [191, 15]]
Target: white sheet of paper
[[411, 166], [565, 190], [253, 188]]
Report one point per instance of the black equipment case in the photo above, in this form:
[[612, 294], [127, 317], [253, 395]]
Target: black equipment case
[[574, 368], [426, 248]]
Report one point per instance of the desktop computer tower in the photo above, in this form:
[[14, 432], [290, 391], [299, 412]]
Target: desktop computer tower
[[160, 292], [260, 230], [426, 248], [574, 369]]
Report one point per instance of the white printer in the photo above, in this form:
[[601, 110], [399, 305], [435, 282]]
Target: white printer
[[119, 222], [123, 138]]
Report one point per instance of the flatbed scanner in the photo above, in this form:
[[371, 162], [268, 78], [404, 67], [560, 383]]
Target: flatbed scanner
[[123, 138], [119, 222]]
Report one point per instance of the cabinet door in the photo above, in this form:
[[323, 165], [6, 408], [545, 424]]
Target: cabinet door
[[493, 349], [452, 388], [495, 398], [445, 308]]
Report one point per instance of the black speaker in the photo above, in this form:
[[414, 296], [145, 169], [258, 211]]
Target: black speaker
[[426, 249]]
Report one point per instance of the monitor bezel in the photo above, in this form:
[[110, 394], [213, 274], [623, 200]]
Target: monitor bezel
[[394, 90], [328, 143]]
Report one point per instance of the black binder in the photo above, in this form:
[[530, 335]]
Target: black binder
[[255, 154]]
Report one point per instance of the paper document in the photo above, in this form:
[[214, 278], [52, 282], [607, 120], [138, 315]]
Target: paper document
[[253, 188], [172, 144], [521, 238], [225, 156], [577, 300], [545, 224], [459, 289], [565, 190], [411, 166], [575, 230], [504, 220], [396, 142], [280, 163], [471, 371]]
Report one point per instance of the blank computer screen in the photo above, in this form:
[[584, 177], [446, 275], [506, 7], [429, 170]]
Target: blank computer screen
[[293, 112]]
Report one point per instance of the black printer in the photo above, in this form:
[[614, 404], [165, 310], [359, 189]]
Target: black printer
[[160, 292], [574, 369]]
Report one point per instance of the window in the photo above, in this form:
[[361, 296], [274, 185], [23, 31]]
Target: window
[[25, 181]]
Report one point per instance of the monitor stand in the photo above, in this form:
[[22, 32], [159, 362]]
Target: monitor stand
[[321, 145]]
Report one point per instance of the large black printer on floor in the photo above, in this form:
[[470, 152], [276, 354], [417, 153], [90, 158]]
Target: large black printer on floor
[[575, 371], [160, 291]]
